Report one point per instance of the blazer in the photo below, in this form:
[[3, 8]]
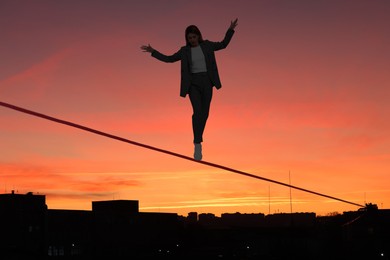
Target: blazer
[[184, 55]]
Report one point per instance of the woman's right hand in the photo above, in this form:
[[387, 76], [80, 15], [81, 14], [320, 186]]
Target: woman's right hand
[[147, 48]]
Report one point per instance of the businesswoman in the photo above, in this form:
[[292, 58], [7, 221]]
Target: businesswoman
[[199, 74]]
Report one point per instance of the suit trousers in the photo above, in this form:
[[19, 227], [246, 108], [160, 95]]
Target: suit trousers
[[201, 93]]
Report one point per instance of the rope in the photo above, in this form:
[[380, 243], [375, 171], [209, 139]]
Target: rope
[[121, 139]]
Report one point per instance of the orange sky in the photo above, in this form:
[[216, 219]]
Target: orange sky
[[305, 89]]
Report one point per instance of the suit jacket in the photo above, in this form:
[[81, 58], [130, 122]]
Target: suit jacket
[[184, 55]]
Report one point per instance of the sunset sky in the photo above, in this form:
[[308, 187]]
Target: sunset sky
[[305, 90]]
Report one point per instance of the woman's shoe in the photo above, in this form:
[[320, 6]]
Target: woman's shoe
[[198, 152]]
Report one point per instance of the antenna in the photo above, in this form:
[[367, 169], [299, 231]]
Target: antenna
[[289, 182], [269, 199], [365, 201]]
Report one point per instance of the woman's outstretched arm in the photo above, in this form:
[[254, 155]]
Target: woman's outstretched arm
[[233, 24], [228, 36], [147, 48], [160, 56]]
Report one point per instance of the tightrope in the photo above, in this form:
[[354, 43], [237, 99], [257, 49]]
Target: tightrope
[[118, 138]]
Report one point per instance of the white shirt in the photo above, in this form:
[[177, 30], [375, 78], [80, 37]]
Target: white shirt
[[198, 61]]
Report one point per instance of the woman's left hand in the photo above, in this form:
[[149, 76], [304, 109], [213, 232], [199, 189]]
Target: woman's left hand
[[233, 24]]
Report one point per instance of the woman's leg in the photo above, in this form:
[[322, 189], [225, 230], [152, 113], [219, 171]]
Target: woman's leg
[[201, 93], [207, 96]]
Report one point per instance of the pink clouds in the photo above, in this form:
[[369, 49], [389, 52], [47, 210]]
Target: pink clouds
[[36, 76], [62, 186]]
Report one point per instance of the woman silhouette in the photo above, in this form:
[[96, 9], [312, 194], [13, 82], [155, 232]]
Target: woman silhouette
[[199, 73]]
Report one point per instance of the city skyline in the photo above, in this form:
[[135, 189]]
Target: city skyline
[[305, 91], [116, 228]]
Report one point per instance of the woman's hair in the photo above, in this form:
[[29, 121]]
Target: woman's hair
[[195, 30]]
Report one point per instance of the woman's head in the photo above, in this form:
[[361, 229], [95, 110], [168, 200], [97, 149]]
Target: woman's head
[[193, 36]]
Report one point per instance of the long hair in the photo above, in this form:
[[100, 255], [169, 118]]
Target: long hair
[[195, 30]]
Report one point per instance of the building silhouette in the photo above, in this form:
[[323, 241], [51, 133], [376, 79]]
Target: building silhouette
[[23, 225], [116, 229]]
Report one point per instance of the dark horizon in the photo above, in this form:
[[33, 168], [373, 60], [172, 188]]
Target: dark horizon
[[116, 228]]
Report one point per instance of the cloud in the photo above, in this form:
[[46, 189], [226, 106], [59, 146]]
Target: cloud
[[222, 203], [37, 73], [33, 83], [28, 177], [71, 195]]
